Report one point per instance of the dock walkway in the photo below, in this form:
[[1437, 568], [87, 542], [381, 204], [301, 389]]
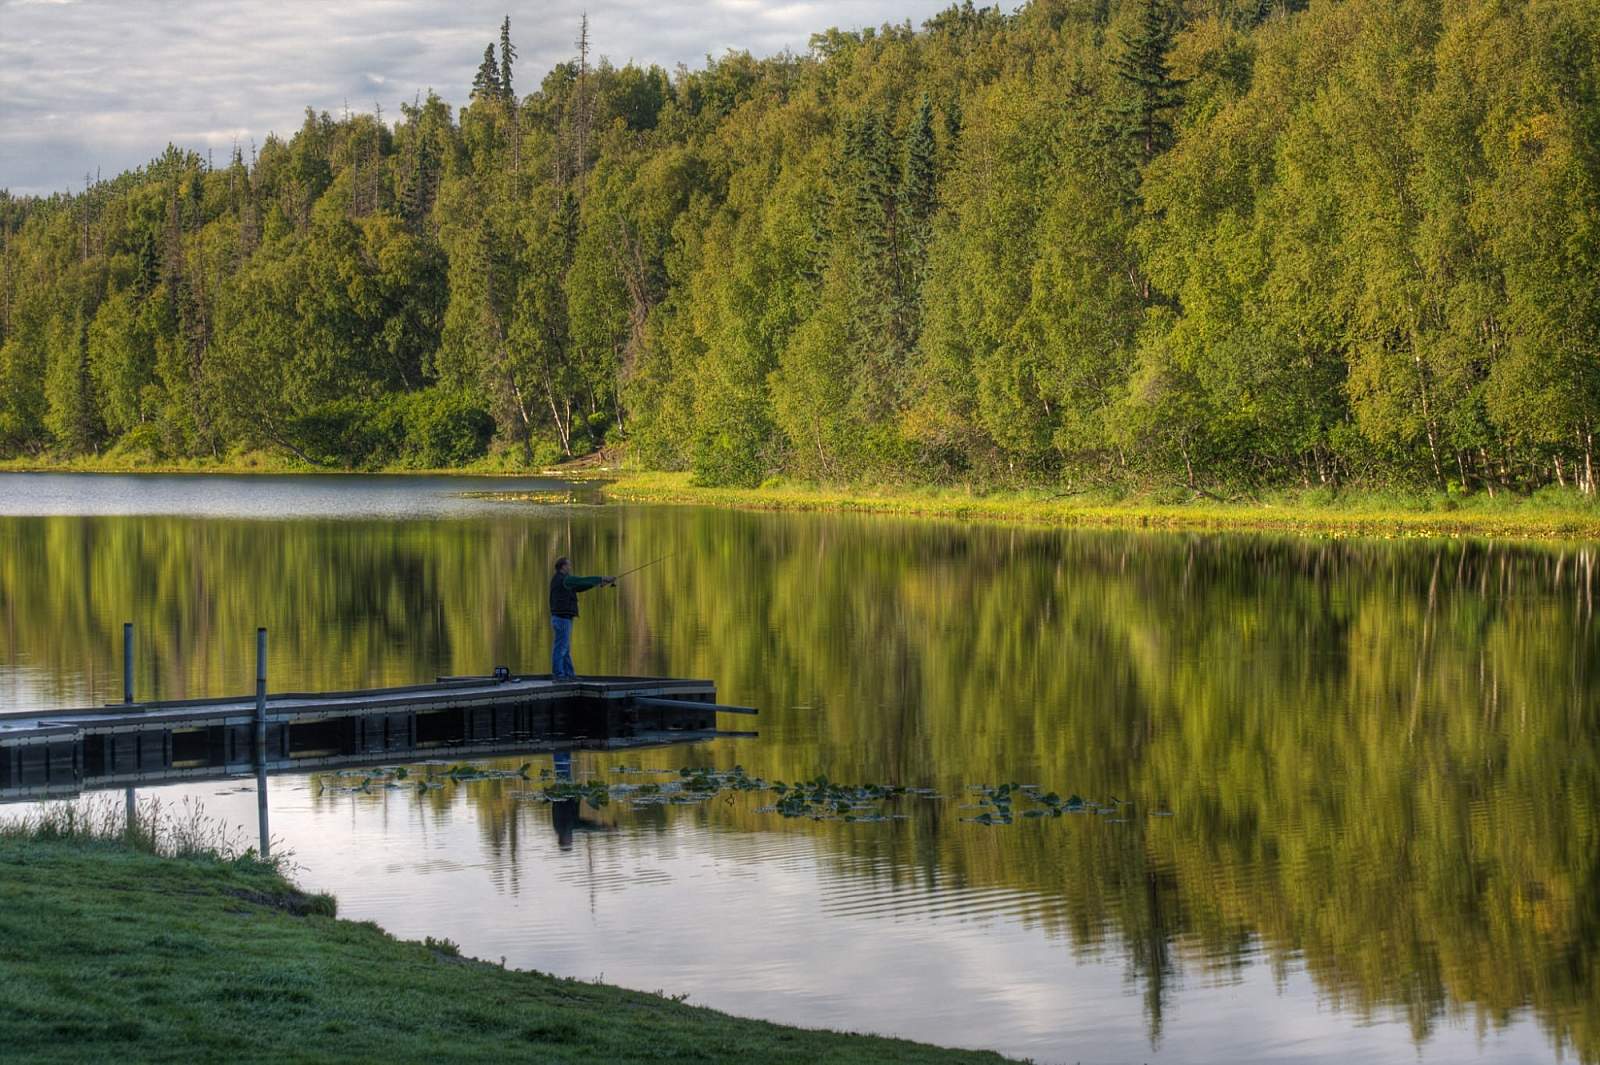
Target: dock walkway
[[63, 751]]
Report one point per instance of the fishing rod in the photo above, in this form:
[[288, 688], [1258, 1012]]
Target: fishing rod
[[647, 565]]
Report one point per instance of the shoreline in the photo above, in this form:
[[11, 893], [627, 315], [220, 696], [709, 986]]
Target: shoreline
[[1366, 514], [215, 958], [1369, 516], [257, 464]]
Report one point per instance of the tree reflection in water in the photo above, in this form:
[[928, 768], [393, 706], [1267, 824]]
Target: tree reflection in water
[[1380, 757]]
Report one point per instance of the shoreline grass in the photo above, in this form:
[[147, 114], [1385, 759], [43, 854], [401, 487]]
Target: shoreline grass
[[251, 462], [1548, 516], [172, 944]]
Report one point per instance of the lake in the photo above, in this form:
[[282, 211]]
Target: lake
[[1346, 792]]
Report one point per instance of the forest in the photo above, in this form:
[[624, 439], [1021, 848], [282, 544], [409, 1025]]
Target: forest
[[1199, 244]]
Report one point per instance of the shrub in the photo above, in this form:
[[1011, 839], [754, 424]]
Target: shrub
[[350, 432], [434, 428], [445, 428]]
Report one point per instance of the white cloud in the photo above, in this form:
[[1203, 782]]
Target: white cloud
[[107, 83]]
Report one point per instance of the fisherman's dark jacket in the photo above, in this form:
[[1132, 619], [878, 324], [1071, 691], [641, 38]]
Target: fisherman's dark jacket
[[564, 593]]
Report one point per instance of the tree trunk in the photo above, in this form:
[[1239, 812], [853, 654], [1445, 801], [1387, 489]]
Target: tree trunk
[[273, 436], [1488, 471], [527, 421], [516, 140], [1427, 416], [1588, 462], [563, 427]]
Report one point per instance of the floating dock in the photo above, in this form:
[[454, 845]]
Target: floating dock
[[122, 744]]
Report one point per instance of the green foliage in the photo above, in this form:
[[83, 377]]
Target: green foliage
[[444, 429], [1145, 243], [508, 53], [486, 84], [1144, 116], [433, 429]]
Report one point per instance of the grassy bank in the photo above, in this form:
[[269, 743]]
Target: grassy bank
[[117, 462], [240, 462], [1549, 515], [110, 951], [1552, 516]]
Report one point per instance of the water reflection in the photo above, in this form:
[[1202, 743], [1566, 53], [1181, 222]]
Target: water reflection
[[1380, 759], [566, 815], [268, 496]]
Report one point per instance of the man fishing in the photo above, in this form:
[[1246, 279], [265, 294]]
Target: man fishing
[[564, 589]]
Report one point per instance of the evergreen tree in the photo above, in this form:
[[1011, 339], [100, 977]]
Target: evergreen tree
[[874, 241], [486, 84], [917, 177], [916, 197], [580, 117], [73, 417], [508, 53], [870, 154], [426, 144], [149, 266], [1145, 116]]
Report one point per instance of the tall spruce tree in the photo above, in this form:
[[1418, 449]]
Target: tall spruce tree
[[508, 53], [916, 193], [871, 149], [1144, 117], [486, 83], [580, 102]]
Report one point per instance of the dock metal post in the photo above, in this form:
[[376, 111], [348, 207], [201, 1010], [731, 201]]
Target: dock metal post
[[261, 736], [127, 661], [261, 811]]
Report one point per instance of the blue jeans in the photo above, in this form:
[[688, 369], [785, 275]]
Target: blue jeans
[[561, 648]]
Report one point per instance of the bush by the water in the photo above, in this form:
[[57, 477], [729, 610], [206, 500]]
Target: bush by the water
[[432, 429]]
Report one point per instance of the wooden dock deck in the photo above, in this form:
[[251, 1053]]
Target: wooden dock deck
[[64, 751]]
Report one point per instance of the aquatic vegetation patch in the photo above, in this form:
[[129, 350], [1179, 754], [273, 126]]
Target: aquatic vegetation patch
[[580, 497], [821, 799], [593, 792], [430, 776], [814, 799], [1001, 804]]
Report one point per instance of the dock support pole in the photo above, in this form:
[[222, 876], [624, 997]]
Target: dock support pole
[[127, 661], [261, 737]]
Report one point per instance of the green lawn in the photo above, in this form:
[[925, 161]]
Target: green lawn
[[111, 954]]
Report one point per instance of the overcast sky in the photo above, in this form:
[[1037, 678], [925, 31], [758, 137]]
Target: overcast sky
[[107, 83]]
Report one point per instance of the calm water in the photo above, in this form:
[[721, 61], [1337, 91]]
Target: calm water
[[1380, 760]]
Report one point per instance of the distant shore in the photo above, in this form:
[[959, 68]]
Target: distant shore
[[1353, 514], [249, 462], [1551, 515]]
